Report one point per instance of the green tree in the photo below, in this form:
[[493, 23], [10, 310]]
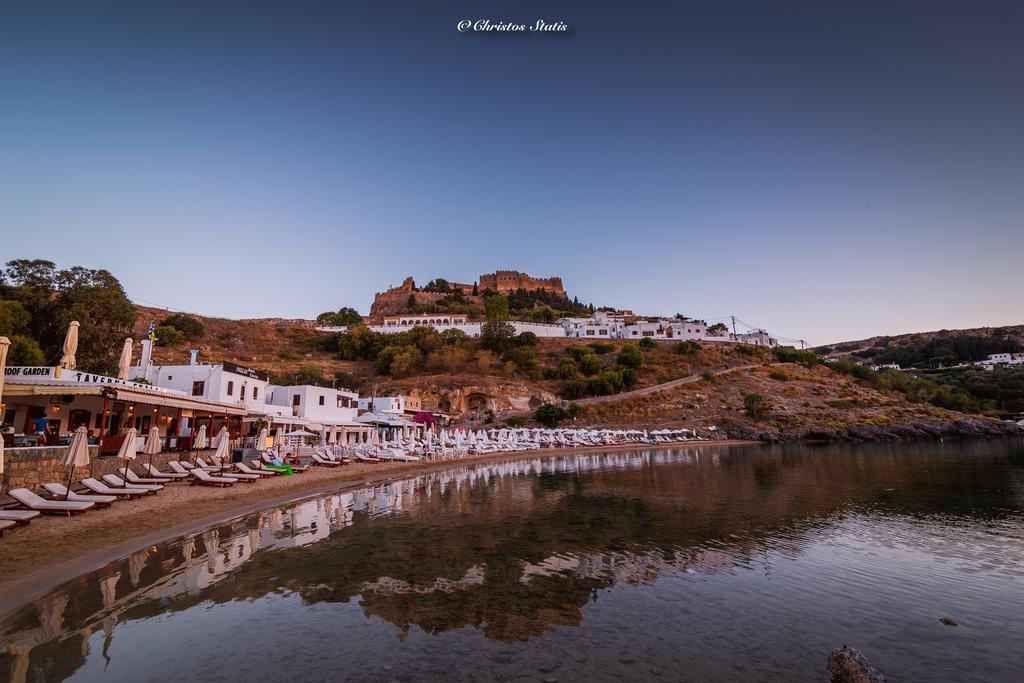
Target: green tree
[[497, 336], [550, 415], [169, 336], [630, 357], [24, 351], [343, 317], [186, 324], [496, 308], [647, 343], [756, 406]]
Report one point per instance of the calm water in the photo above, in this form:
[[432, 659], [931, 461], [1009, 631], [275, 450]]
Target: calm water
[[745, 563]]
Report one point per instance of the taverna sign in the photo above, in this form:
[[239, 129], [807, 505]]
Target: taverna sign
[[30, 374]]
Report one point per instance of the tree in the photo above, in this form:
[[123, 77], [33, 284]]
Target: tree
[[630, 357], [476, 290], [309, 374], [648, 343], [24, 351], [496, 308], [526, 339], [343, 317], [186, 324], [169, 336], [97, 301], [550, 415], [756, 406], [497, 336], [717, 328]]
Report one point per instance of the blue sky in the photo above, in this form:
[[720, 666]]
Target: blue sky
[[826, 170]]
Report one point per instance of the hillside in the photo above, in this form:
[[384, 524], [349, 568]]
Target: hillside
[[876, 348], [704, 384]]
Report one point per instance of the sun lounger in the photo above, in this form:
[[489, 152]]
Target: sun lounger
[[61, 493], [157, 474], [53, 507], [320, 460], [18, 516], [136, 479], [241, 476], [245, 469], [201, 476], [260, 467], [98, 487], [5, 524], [116, 481]]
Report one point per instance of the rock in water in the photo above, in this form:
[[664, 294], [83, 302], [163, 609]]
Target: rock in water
[[847, 665]]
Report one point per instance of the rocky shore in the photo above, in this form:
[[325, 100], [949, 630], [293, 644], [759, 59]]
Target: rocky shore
[[920, 429]]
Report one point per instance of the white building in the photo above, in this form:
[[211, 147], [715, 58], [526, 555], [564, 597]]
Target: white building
[[393, 324], [1004, 359], [224, 383]]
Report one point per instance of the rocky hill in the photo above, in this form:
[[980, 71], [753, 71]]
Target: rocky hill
[[709, 386]]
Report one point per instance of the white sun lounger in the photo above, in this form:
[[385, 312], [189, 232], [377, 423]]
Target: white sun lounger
[[118, 482], [245, 469], [200, 476], [53, 507], [18, 516], [61, 492], [5, 524], [137, 480], [320, 460], [97, 486], [157, 474]]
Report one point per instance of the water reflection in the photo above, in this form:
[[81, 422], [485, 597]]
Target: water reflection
[[534, 554]]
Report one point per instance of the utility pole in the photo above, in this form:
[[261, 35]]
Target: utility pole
[[733, 324]]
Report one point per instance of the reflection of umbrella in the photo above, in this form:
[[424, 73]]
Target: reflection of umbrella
[[127, 451], [135, 565], [67, 361], [77, 455], [152, 445], [125, 362], [5, 343], [108, 588]]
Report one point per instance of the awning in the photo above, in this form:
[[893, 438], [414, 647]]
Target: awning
[[120, 393]]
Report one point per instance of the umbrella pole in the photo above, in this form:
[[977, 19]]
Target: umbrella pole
[[71, 475], [124, 480]]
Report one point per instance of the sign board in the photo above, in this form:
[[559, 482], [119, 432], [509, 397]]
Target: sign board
[[42, 375], [246, 372]]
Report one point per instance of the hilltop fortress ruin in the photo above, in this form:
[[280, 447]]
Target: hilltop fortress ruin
[[396, 299]]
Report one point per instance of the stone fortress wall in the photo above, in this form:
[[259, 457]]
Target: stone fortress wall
[[396, 299]]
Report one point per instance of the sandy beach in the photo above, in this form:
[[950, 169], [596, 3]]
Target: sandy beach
[[55, 549]]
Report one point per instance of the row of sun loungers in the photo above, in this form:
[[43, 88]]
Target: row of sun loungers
[[129, 485]]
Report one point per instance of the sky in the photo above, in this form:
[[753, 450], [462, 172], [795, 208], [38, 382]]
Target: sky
[[827, 170]]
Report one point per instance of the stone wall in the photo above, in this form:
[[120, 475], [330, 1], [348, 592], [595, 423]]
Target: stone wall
[[30, 468], [510, 280]]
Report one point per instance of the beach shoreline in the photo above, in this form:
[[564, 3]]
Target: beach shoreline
[[54, 550]]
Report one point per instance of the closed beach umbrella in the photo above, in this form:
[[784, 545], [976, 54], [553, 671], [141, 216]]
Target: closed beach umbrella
[[67, 361], [199, 442], [125, 363], [77, 455], [261, 439], [5, 343], [127, 450], [323, 436], [152, 445], [223, 451]]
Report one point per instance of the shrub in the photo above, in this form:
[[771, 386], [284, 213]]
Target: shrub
[[515, 421], [687, 348], [186, 324], [550, 415], [789, 354], [577, 352], [756, 406], [779, 376], [169, 336], [405, 361], [454, 337], [526, 339], [601, 348], [574, 388], [497, 336], [567, 369], [449, 359], [346, 380], [589, 363], [647, 343], [523, 357], [630, 357]]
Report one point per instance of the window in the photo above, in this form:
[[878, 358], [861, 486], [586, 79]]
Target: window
[[241, 392], [231, 388], [590, 333], [604, 332], [295, 400], [198, 388], [321, 400], [255, 393], [170, 377]]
